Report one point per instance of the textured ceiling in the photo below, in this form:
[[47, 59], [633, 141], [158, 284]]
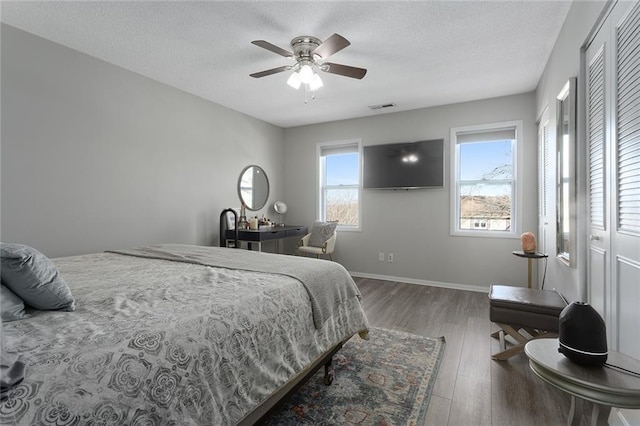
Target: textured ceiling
[[418, 53]]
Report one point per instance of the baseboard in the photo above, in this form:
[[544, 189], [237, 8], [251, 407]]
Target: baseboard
[[454, 286]]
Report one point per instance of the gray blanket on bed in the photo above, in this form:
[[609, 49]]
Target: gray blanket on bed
[[327, 283]]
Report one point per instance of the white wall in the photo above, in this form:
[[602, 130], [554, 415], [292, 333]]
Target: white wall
[[97, 157], [563, 63], [414, 225]]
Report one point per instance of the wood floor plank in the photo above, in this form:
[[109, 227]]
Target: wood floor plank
[[471, 403], [446, 380], [475, 358], [438, 413], [511, 396], [471, 389]]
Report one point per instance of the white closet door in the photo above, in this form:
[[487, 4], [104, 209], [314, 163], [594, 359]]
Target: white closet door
[[598, 102], [626, 205], [612, 97]]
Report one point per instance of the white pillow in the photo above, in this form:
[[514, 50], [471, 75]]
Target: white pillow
[[321, 232], [11, 306], [34, 278]]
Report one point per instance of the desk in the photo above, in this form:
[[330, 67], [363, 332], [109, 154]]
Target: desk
[[530, 257], [266, 233], [605, 387]]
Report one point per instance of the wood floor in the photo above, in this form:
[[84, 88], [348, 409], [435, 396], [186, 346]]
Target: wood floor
[[471, 389]]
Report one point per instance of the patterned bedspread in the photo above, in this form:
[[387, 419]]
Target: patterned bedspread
[[164, 342]]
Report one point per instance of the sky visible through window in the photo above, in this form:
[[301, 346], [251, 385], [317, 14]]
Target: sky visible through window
[[342, 169], [486, 161], [341, 202], [479, 159]]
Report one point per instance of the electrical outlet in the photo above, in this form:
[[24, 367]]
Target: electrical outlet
[[381, 257], [390, 258]]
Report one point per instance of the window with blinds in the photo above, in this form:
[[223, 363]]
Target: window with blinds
[[484, 179], [340, 183], [596, 137], [628, 121]]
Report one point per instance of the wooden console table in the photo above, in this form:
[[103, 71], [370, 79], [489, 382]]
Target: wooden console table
[[605, 387], [530, 257], [266, 233]]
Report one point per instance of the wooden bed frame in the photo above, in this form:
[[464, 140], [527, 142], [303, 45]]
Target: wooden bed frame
[[261, 413]]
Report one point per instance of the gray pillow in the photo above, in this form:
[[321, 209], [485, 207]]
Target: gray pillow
[[34, 278], [11, 306], [321, 232]]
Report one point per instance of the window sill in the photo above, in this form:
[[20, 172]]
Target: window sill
[[348, 228], [485, 234]]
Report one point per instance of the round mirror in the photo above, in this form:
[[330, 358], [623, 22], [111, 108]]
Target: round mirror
[[280, 207], [253, 187]]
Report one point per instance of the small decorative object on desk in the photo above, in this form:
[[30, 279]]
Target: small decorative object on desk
[[528, 241], [280, 207], [242, 221]]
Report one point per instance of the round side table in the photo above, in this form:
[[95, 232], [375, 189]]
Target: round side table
[[530, 257], [605, 387]]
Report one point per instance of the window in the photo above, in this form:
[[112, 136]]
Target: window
[[340, 183], [484, 190]]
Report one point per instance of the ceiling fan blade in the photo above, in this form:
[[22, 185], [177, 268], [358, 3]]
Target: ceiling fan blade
[[344, 70], [273, 48], [271, 71], [333, 44]]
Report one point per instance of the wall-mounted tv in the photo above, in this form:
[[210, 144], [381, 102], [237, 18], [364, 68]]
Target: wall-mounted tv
[[409, 165]]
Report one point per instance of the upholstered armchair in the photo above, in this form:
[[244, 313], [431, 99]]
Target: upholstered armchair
[[321, 239], [326, 248]]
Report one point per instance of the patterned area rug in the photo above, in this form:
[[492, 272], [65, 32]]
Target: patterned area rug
[[386, 380]]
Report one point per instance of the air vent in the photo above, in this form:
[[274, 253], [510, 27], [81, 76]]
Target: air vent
[[382, 106]]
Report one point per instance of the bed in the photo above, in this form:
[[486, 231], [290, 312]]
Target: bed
[[179, 334]]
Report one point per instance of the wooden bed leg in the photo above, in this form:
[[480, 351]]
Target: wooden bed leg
[[328, 375]]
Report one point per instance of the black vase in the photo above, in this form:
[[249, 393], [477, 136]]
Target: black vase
[[583, 335]]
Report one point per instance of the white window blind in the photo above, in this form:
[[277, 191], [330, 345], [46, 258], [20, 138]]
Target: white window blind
[[338, 149], [489, 135]]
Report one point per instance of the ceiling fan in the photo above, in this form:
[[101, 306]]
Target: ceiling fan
[[309, 54]]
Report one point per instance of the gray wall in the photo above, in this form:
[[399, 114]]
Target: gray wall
[[563, 63], [414, 225], [97, 157]]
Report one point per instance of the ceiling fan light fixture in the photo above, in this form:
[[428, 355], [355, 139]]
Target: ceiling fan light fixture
[[316, 83], [306, 74], [309, 54], [294, 80]]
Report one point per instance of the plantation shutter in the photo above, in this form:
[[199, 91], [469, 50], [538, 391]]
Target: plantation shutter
[[596, 137], [544, 182], [628, 122], [548, 178]]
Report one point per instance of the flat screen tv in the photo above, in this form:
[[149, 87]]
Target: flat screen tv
[[409, 165]]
